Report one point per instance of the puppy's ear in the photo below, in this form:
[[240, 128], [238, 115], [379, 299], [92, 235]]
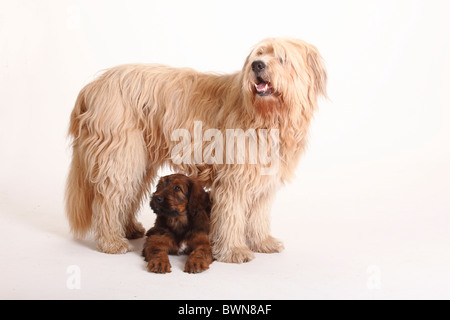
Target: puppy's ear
[[198, 198]]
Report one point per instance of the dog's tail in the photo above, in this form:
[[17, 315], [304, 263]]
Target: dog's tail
[[78, 188]]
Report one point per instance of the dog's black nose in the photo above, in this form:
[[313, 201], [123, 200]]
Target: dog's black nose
[[159, 199], [258, 66]]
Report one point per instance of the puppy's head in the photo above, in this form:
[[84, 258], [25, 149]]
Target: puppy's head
[[177, 195], [284, 72]]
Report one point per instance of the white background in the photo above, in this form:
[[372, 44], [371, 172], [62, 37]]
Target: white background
[[367, 216]]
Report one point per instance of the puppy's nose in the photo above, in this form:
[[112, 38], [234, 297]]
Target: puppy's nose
[[159, 199], [258, 66]]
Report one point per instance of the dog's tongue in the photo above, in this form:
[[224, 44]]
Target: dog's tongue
[[262, 86]]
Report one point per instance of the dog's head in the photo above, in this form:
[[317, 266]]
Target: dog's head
[[284, 72], [177, 195]]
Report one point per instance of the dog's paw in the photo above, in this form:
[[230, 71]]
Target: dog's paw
[[158, 265], [114, 247], [269, 245], [196, 265], [234, 255]]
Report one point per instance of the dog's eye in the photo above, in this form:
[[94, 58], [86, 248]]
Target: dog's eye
[[177, 188], [283, 60]]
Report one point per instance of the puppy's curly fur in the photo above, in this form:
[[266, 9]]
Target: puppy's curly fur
[[182, 225]]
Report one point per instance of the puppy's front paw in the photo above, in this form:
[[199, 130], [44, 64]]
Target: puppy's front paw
[[159, 265], [196, 265]]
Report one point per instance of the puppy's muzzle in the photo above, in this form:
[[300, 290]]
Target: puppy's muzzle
[[157, 204], [161, 206], [159, 199]]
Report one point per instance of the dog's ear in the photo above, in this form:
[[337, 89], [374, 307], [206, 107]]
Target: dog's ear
[[317, 71], [198, 198]]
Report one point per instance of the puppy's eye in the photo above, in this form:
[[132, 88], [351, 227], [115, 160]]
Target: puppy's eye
[[177, 188]]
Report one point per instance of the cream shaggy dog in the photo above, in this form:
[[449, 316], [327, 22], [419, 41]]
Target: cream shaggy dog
[[122, 126]]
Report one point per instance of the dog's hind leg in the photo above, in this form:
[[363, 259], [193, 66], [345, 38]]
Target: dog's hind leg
[[118, 192], [133, 228]]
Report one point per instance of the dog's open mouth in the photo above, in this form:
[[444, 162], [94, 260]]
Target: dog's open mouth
[[263, 88]]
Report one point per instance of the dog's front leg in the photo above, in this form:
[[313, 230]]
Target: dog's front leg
[[201, 255], [258, 226], [228, 221], [156, 249]]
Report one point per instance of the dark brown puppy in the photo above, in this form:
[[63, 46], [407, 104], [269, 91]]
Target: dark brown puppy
[[182, 208]]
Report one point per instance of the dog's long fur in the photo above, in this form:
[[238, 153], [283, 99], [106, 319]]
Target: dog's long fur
[[121, 128]]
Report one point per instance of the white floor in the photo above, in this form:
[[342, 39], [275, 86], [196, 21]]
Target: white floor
[[384, 239]]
